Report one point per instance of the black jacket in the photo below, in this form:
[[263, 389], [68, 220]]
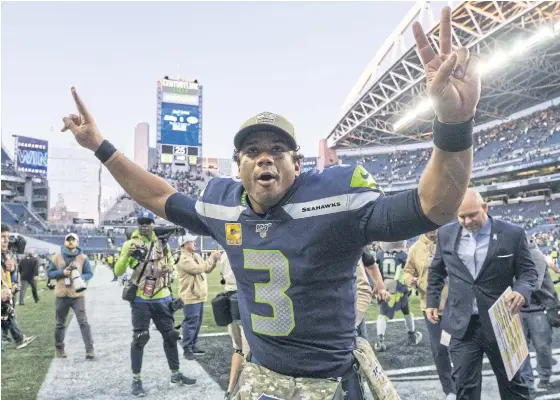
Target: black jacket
[[544, 297], [29, 268], [508, 263]]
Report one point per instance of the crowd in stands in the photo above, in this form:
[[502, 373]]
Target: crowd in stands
[[190, 182], [529, 214], [520, 138], [540, 219]]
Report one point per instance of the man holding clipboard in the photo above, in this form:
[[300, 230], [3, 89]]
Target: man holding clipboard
[[482, 257]]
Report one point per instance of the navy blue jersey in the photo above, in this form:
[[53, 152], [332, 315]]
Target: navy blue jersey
[[390, 263], [295, 266]]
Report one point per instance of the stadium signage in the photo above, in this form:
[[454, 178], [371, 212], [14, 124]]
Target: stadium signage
[[180, 86], [77, 221], [32, 156]]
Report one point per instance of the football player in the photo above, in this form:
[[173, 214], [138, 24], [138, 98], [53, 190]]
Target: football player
[[391, 261], [294, 239]]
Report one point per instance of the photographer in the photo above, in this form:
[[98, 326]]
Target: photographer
[[71, 269], [9, 321], [193, 289], [29, 272], [152, 263]]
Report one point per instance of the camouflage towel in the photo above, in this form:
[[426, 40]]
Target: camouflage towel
[[259, 383], [371, 372]]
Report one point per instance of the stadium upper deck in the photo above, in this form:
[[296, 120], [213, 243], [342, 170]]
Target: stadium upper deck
[[520, 53]]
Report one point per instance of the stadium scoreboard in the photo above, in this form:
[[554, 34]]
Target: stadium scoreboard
[[179, 121]]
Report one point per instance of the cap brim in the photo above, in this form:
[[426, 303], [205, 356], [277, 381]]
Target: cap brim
[[188, 239], [242, 135], [144, 220]]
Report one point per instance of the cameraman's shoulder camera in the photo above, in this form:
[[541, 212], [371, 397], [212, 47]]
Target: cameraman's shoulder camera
[[16, 244]]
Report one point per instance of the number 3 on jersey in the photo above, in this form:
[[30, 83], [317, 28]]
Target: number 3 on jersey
[[272, 292]]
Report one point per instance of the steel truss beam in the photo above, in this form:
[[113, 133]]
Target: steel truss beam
[[484, 27]]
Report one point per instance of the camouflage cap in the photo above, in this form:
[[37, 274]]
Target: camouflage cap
[[266, 121]]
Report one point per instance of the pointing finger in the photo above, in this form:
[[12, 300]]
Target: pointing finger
[[425, 51], [445, 31], [81, 106]]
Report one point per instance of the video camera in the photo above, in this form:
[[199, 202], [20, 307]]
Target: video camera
[[16, 244], [165, 232]]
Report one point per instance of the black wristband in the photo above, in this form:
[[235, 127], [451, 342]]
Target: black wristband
[[453, 137], [105, 151]]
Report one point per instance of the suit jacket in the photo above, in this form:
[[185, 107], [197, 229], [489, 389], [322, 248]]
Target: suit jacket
[[508, 263], [29, 268]]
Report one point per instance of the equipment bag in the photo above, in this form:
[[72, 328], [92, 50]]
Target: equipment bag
[[221, 308], [234, 306]]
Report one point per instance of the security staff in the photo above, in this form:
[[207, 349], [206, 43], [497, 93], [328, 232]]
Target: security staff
[[152, 263]]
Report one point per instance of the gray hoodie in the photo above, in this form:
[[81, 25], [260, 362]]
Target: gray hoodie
[[544, 295]]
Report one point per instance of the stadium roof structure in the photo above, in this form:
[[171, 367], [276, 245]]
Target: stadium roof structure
[[519, 47]]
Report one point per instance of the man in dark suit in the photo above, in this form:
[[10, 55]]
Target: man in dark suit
[[29, 272], [481, 256]]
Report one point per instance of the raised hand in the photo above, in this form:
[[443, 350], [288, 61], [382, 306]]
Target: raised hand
[[453, 77], [83, 125]]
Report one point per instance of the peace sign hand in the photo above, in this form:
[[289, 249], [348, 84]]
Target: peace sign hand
[[83, 125], [453, 78]]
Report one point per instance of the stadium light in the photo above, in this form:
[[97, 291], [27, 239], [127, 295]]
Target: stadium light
[[496, 61], [424, 106]]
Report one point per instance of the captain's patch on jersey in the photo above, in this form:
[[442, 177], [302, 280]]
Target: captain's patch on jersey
[[362, 178], [233, 234]]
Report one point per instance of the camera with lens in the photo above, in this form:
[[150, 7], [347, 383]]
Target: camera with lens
[[76, 278], [16, 244], [8, 312], [163, 232], [139, 253], [176, 304]]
